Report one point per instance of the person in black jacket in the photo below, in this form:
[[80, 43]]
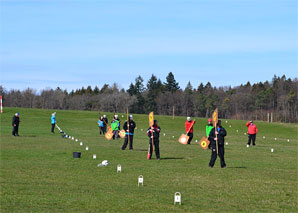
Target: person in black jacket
[[129, 128], [15, 124], [105, 124], [221, 133], [153, 133]]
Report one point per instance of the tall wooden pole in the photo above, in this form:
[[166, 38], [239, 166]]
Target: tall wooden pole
[[173, 112]]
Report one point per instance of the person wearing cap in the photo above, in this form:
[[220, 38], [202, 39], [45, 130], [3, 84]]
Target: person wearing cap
[[100, 123], [105, 124], [220, 132], [129, 127], [115, 125], [153, 134], [53, 122], [252, 132], [15, 124], [189, 128], [209, 127]]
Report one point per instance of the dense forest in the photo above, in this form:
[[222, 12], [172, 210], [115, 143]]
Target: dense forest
[[279, 97]]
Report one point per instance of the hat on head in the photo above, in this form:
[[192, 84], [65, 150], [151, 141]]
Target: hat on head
[[209, 120], [188, 118], [130, 116], [104, 116]]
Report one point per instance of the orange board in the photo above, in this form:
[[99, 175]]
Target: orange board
[[204, 143]]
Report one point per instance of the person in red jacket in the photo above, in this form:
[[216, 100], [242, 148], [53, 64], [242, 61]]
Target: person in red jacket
[[252, 132], [189, 128]]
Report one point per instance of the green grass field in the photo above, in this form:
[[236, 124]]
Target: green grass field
[[39, 174]]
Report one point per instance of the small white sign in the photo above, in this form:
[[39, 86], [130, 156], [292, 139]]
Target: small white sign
[[244, 133], [77, 140], [288, 140], [69, 137], [141, 180], [230, 126], [247, 146], [226, 121], [141, 129], [118, 168], [275, 138], [173, 136], [264, 137], [196, 141], [177, 198], [81, 143], [87, 148], [72, 138], [94, 156], [237, 131], [164, 134], [272, 150], [227, 143]]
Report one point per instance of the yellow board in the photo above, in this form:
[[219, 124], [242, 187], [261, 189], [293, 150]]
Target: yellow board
[[109, 134], [204, 143], [151, 119], [122, 133], [183, 139], [215, 117]]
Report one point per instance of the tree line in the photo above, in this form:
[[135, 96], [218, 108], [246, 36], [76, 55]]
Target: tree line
[[279, 96]]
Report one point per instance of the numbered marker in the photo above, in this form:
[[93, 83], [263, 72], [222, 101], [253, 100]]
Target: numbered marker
[[237, 131], [275, 138], [173, 136], [87, 148], [141, 180], [141, 129], [164, 134], [177, 198], [196, 141], [227, 143], [118, 168], [72, 138], [244, 133], [226, 121], [77, 140], [94, 156], [264, 137], [247, 146], [69, 137], [288, 140], [272, 150], [230, 126], [81, 143]]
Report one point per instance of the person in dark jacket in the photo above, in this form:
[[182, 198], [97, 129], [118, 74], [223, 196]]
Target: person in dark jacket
[[100, 123], [105, 124], [221, 133], [15, 124], [153, 134], [129, 128]]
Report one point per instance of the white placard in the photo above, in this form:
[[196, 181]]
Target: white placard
[[141, 180], [264, 137], [227, 143], [288, 140], [81, 143], [244, 133], [275, 138], [237, 130], [94, 156], [247, 146], [118, 168], [72, 138], [177, 198], [77, 140], [272, 150], [230, 126], [87, 148]]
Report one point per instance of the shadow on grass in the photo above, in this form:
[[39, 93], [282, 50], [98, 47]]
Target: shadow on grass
[[171, 158], [237, 167], [141, 150]]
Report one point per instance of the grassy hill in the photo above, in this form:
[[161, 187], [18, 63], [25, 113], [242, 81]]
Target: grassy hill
[[38, 172]]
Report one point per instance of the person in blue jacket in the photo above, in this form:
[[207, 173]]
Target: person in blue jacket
[[101, 125], [53, 122]]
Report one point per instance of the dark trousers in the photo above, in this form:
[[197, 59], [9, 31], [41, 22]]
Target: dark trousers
[[101, 130], [116, 134], [156, 147], [221, 153], [252, 137], [190, 137], [53, 127], [15, 130], [104, 129], [126, 142]]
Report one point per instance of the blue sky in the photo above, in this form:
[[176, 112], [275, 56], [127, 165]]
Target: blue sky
[[71, 44]]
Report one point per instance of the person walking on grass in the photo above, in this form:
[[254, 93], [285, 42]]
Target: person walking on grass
[[100, 123], [53, 122], [129, 127], [217, 134], [105, 124], [252, 132], [189, 128], [153, 134], [115, 125], [15, 124]]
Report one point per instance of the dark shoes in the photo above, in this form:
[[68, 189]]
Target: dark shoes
[[224, 167]]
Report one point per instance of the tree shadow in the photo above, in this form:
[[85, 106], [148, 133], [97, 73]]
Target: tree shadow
[[171, 158]]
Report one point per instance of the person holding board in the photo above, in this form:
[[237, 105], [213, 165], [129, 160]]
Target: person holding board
[[217, 135], [129, 127], [189, 128], [153, 134], [252, 132]]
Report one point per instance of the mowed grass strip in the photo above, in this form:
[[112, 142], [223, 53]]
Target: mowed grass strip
[[38, 172]]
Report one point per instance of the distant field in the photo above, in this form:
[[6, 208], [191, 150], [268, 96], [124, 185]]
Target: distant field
[[39, 174]]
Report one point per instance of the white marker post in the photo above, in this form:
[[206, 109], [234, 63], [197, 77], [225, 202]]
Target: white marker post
[[247, 146], [272, 150], [275, 138], [177, 198], [77, 140], [288, 140], [141, 180], [72, 138], [87, 148], [264, 137], [118, 168], [81, 143], [237, 131], [94, 156], [227, 143]]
